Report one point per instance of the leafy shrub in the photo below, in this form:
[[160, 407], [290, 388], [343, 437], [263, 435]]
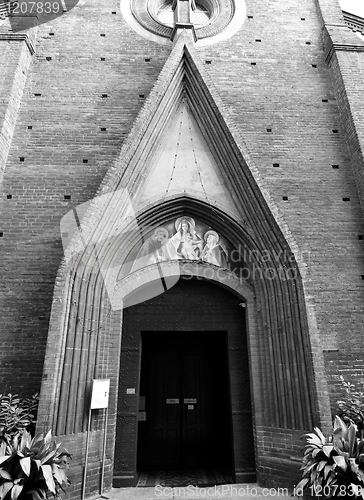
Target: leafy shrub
[[17, 413], [351, 407], [334, 465], [32, 467]]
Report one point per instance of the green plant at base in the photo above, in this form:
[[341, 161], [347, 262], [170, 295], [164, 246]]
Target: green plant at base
[[32, 467], [352, 405], [334, 465], [17, 413]]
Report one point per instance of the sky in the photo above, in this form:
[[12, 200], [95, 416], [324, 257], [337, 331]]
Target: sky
[[353, 6]]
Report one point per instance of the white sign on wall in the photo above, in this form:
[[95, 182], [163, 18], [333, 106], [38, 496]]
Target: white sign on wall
[[100, 394]]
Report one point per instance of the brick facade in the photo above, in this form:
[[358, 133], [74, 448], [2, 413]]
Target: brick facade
[[287, 88]]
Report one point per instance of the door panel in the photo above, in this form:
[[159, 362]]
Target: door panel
[[163, 417], [186, 389], [198, 419]]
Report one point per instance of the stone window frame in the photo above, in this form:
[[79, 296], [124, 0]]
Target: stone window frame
[[227, 17]]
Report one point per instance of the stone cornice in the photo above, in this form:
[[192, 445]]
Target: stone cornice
[[355, 23], [335, 47], [18, 37], [340, 38]]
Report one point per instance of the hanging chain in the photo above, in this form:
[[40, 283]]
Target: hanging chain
[[176, 154], [199, 171]]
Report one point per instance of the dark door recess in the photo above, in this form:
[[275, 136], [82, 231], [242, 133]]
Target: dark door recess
[[184, 381]]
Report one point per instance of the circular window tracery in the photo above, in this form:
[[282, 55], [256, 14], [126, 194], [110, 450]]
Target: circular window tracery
[[200, 16], [213, 20]]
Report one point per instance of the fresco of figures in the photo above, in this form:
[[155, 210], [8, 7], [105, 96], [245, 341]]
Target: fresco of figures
[[183, 238]]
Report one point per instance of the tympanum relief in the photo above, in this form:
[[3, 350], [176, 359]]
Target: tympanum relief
[[184, 239]]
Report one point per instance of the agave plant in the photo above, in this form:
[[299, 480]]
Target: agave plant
[[32, 467], [334, 465]]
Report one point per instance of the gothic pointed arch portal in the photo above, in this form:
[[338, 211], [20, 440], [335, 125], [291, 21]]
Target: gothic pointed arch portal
[[189, 328], [184, 159]]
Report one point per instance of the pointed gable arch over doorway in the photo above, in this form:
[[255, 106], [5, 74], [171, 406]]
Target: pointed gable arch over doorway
[[84, 342]]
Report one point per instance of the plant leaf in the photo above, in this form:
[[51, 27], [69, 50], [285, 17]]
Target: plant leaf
[[351, 439], [320, 434], [327, 449], [36, 494], [15, 491], [51, 455], [25, 440], [48, 437], [313, 475], [338, 423], [321, 465], [25, 464], [2, 449], [360, 474], [5, 474], [341, 462], [313, 438], [4, 489], [301, 484], [327, 470], [59, 474], [309, 467], [331, 480], [47, 474]]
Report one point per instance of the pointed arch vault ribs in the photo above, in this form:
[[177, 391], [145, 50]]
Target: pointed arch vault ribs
[[221, 191]]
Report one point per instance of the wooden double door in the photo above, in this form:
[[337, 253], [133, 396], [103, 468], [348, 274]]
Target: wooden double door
[[185, 390]]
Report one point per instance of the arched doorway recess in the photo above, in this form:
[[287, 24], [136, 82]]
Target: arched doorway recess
[[279, 345], [280, 356], [185, 353]]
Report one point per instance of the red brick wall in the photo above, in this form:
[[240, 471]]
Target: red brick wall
[[281, 462], [66, 123], [345, 58], [76, 445]]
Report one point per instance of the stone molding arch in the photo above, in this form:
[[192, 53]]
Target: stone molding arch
[[201, 270], [280, 308], [85, 331], [240, 324]]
